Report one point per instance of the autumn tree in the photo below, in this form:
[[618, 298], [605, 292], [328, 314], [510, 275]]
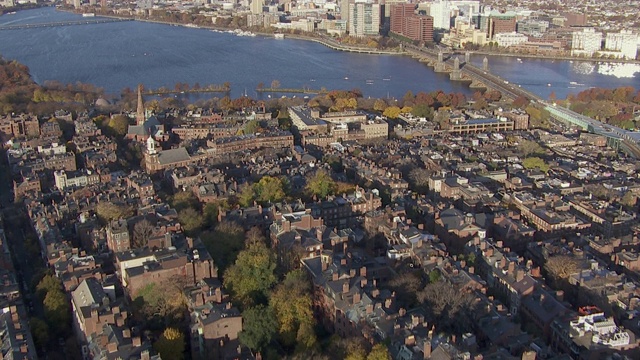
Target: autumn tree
[[379, 352], [252, 275], [162, 301], [259, 327], [561, 266], [392, 112], [629, 199], [171, 344], [321, 184], [275, 84], [142, 231], [108, 211]]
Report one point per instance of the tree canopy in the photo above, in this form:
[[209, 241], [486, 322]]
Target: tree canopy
[[252, 275], [321, 184], [171, 344], [259, 327], [535, 163]]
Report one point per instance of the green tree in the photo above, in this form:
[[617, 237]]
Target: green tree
[[183, 200], [246, 196], [379, 352], [423, 111], [224, 243], [252, 127], [252, 275], [191, 220], [321, 184], [434, 276], [40, 331], [535, 162], [57, 311], [291, 303], [171, 344], [119, 124], [529, 147], [259, 327], [269, 189]]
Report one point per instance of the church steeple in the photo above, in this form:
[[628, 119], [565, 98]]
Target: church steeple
[[140, 118]]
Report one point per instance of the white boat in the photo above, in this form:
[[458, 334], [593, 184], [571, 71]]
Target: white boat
[[278, 36], [11, 13], [519, 60], [88, 15], [346, 78], [387, 79], [548, 84]]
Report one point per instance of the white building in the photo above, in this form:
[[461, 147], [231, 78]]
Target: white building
[[65, 180], [586, 42], [510, 39], [625, 42], [466, 8], [603, 330], [441, 13], [256, 6], [364, 19]]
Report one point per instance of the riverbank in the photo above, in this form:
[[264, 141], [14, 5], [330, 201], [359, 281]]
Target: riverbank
[[559, 58]]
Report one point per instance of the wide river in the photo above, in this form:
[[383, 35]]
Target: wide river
[[123, 54]]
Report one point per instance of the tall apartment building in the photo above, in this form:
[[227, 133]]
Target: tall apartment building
[[364, 19], [586, 42], [398, 14], [625, 42], [441, 13], [419, 27], [501, 23]]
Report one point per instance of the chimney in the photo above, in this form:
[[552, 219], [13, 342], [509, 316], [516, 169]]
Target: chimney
[[519, 275], [136, 341], [145, 355], [529, 355], [126, 333], [363, 271], [560, 295], [356, 298], [471, 270], [319, 234], [512, 267], [24, 348], [426, 349], [345, 287], [334, 276], [112, 347], [387, 303]]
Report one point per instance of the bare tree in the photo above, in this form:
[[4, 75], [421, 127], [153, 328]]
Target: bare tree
[[142, 233], [561, 266], [449, 307]]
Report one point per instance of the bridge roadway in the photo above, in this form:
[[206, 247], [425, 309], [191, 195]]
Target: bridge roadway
[[625, 140], [61, 23]]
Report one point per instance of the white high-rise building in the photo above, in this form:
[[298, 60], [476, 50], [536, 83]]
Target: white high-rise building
[[625, 42], [256, 6], [586, 42], [441, 12], [364, 19]]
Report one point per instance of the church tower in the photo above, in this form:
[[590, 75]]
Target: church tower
[[151, 156], [140, 117]]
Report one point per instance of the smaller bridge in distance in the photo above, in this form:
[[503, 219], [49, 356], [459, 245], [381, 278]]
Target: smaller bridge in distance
[[61, 23]]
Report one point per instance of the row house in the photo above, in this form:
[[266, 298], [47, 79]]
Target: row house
[[22, 125], [139, 268], [93, 307], [191, 132], [222, 146], [215, 322], [298, 236]]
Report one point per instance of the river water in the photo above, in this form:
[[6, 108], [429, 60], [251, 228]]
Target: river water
[[123, 54]]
